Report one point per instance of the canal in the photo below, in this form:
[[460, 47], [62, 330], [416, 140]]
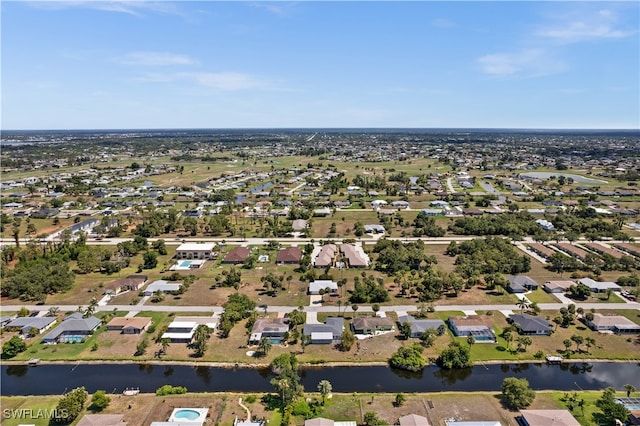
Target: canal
[[58, 378]]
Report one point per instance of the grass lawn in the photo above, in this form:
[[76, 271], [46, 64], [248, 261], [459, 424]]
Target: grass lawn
[[541, 296], [24, 410]]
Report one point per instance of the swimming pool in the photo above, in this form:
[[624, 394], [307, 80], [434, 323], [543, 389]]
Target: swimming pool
[[186, 414], [185, 264], [189, 415]]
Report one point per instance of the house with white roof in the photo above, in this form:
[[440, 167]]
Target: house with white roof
[[161, 286], [196, 251]]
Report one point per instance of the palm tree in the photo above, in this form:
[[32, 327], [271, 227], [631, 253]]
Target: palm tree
[[265, 345], [165, 345], [522, 304], [53, 311], [324, 387], [630, 389]]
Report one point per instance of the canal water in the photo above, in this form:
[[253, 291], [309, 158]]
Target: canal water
[[58, 378]]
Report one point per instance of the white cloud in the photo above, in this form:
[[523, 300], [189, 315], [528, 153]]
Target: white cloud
[[442, 23], [601, 24], [130, 7], [156, 59], [529, 62], [228, 81]]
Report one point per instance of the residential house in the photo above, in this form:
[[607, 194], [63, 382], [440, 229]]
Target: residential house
[[162, 286], [327, 333], [196, 251], [6, 319], [614, 323], [531, 325], [237, 255], [130, 283], [547, 418], [180, 331], [413, 420], [599, 286], [129, 325], [374, 229], [102, 420], [479, 327], [325, 256], [521, 284], [273, 329], [355, 256], [75, 328], [299, 225], [557, 286], [371, 325], [419, 326], [289, 255], [317, 285], [400, 204], [573, 251], [25, 324], [320, 421]]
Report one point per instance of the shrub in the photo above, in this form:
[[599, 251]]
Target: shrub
[[170, 390]]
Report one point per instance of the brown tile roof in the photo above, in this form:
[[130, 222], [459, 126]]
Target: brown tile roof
[[138, 322], [237, 255], [289, 255]]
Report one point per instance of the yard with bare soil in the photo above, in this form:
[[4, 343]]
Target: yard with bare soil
[[142, 409]]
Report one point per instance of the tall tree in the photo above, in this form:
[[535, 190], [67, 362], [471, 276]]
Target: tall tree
[[325, 388]]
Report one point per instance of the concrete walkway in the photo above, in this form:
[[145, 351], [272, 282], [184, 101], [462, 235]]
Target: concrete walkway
[[245, 409]]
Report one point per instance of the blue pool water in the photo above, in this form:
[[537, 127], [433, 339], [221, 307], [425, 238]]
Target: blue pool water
[[186, 414], [185, 264]]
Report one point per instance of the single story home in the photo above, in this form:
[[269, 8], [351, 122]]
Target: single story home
[[25, 324], [130, 283], [325, 256], [289, 255], [75, 328], [180, 331], [419, 326], [479, 327], [531, 325], [557, 286], [196, 251], [599, 286], [129, 325], [374, 229], [400, 204], [320, 421], [413, 420], [521, 284], [355, 256], [371, 325], [273, 329], [327, 333], [102, 420], [317, 285], [299, 225], [237, 255], [547, 418], [615, 323], [162, 286]]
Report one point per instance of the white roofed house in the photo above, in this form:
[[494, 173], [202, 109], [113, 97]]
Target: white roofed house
[[161, 286], [612, 323], [180, 331], [195, 251], [317, 285], [599, 286]]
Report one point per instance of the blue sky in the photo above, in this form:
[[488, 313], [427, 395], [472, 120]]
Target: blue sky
[[256, 64]]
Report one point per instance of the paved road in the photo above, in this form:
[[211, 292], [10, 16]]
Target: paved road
[[361, 308]]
